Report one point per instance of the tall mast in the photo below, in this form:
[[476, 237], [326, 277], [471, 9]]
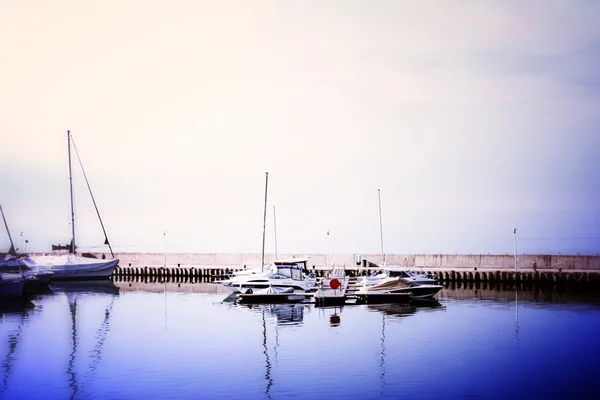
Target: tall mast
[[262, 258], [12, 250], [72, 247], [380, 227], [12, 245]]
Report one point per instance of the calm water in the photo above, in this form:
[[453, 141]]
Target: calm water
[[139, 341]]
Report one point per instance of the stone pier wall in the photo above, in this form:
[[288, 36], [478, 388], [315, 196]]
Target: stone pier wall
[[320, 261]]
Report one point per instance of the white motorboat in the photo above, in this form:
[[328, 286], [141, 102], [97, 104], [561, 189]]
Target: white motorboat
[[281, 274], [271, 295], [239, 273], [408, 276], [392, 288], [393, 271]]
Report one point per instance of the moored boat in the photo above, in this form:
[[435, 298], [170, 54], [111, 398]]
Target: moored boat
[[394, 289], [281, 274], [71, 266], [272, 295]]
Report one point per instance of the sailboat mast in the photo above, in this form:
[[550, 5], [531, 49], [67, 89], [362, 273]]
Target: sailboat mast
[[380, 227], [12, 245], [12, 250], [72, 247], [262, 265]]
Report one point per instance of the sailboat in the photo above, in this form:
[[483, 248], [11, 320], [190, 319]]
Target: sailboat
[[70, 266]]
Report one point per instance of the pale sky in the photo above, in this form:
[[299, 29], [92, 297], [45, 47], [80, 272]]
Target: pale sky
[[472, 117]]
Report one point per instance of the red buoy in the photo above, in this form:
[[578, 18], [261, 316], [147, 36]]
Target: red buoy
[[334, 283]]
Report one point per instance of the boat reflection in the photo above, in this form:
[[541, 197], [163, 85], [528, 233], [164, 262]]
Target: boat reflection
[[98, 286], [285, 314], [16, 306], [404, 310]]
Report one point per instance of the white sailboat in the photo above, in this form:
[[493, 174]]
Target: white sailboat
[[70, 266]]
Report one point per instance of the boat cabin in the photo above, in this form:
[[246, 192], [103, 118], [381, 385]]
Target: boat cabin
[[397, 272], [288, 269]]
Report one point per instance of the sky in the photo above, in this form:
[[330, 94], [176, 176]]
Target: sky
[[472, 118]]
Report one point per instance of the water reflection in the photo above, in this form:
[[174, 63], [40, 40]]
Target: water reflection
[[405, 310], [285, 314], [267, 361], [93, 287], [527, 293], [20, 309], [103, 338], [15, 306], [75, 293]]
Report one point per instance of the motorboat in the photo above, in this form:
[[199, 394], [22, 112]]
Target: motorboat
[[272, 294], [242, 272], [391, 288], [408, 276], [281, 274], [393, 271]]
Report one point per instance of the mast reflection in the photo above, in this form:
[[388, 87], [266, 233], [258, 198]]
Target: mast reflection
[[78, 291], [10, 307]]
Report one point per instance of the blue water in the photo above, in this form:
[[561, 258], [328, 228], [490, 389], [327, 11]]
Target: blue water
[[116, 341]]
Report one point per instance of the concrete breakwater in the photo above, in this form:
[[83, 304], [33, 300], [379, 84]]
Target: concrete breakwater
[[189, 274], [550, 269], [501, 262]]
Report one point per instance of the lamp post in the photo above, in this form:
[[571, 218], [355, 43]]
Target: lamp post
[[275, 230], [327, 253], [515, 233], [165, 249]]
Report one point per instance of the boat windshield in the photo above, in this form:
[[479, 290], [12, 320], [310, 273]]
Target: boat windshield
[[275, 275], [399, 274], [287, 271]]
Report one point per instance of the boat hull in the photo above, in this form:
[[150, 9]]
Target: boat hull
[[271, 298], [422, 292], [11, 287], [378, 298], [243, 287]]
